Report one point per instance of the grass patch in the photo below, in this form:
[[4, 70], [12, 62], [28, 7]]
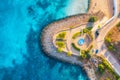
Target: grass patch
[[61, 35], [76, 35], [74, 46], [60, 44]]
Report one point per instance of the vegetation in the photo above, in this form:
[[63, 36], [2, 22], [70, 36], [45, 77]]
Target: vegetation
[[84, 54], [71, 27], [109, 34], [101, 68], [76, 48], [99, 26], [60, 41], [109, 68], [59, 50], [85, 30], [60, 44], [108, 39], [69, 53], [118, 25], [90, 34], [88, 29], [61, 35], [76, 35], [118, 78], [107, 79], [93, 19], [111, 48]]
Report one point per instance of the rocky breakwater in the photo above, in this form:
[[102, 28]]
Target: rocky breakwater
[[57, 26]]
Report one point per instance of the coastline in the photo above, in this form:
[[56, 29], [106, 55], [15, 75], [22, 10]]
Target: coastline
[[55, 27], [64, 24]]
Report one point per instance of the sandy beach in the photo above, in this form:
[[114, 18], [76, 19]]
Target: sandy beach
[[105, 6]]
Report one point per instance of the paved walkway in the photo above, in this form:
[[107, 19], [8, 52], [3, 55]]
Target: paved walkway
[[103, 32]]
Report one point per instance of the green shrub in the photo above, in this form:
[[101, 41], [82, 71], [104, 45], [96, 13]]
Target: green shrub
[[107, 65], [108, 39], [76, 48], [111, 48], [99, 26], [60, 44], [69, 53], [101, 68], [93, 19], [109, 68], [109, 34], [61, 35], [118, 78], [118, 25], [84, 54], [59, 50], [85, 30], [107, 79], [89, 28], [76, 35]]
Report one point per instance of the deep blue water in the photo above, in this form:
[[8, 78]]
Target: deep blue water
[[21, 23]]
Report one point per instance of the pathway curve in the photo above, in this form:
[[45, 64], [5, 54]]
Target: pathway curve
[[103, 32]]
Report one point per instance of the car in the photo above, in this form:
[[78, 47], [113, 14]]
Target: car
[[97, 51], [97, 33]]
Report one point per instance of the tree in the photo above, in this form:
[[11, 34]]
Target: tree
[[118, 78], [69, 53], [118, 25], [111, 48], [59, 50], [93, 19], [108, 39], [61, 35], [101, 68], [99, 26], [85, 30]]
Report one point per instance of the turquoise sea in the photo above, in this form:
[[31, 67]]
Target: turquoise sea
[[21, 23]]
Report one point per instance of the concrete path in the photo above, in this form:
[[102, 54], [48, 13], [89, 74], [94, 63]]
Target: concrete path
[[103, 32]]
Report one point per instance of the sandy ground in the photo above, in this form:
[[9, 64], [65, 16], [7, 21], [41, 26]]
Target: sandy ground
[[105, 6]]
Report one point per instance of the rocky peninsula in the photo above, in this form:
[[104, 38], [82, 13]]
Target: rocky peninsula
[[94, 17]]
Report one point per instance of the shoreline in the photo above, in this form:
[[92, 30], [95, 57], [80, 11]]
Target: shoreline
[[63, 24], [47, 38]]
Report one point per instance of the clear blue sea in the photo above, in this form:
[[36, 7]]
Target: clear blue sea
[[21, 23]]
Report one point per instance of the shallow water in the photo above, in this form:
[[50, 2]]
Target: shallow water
[[21, 22]]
